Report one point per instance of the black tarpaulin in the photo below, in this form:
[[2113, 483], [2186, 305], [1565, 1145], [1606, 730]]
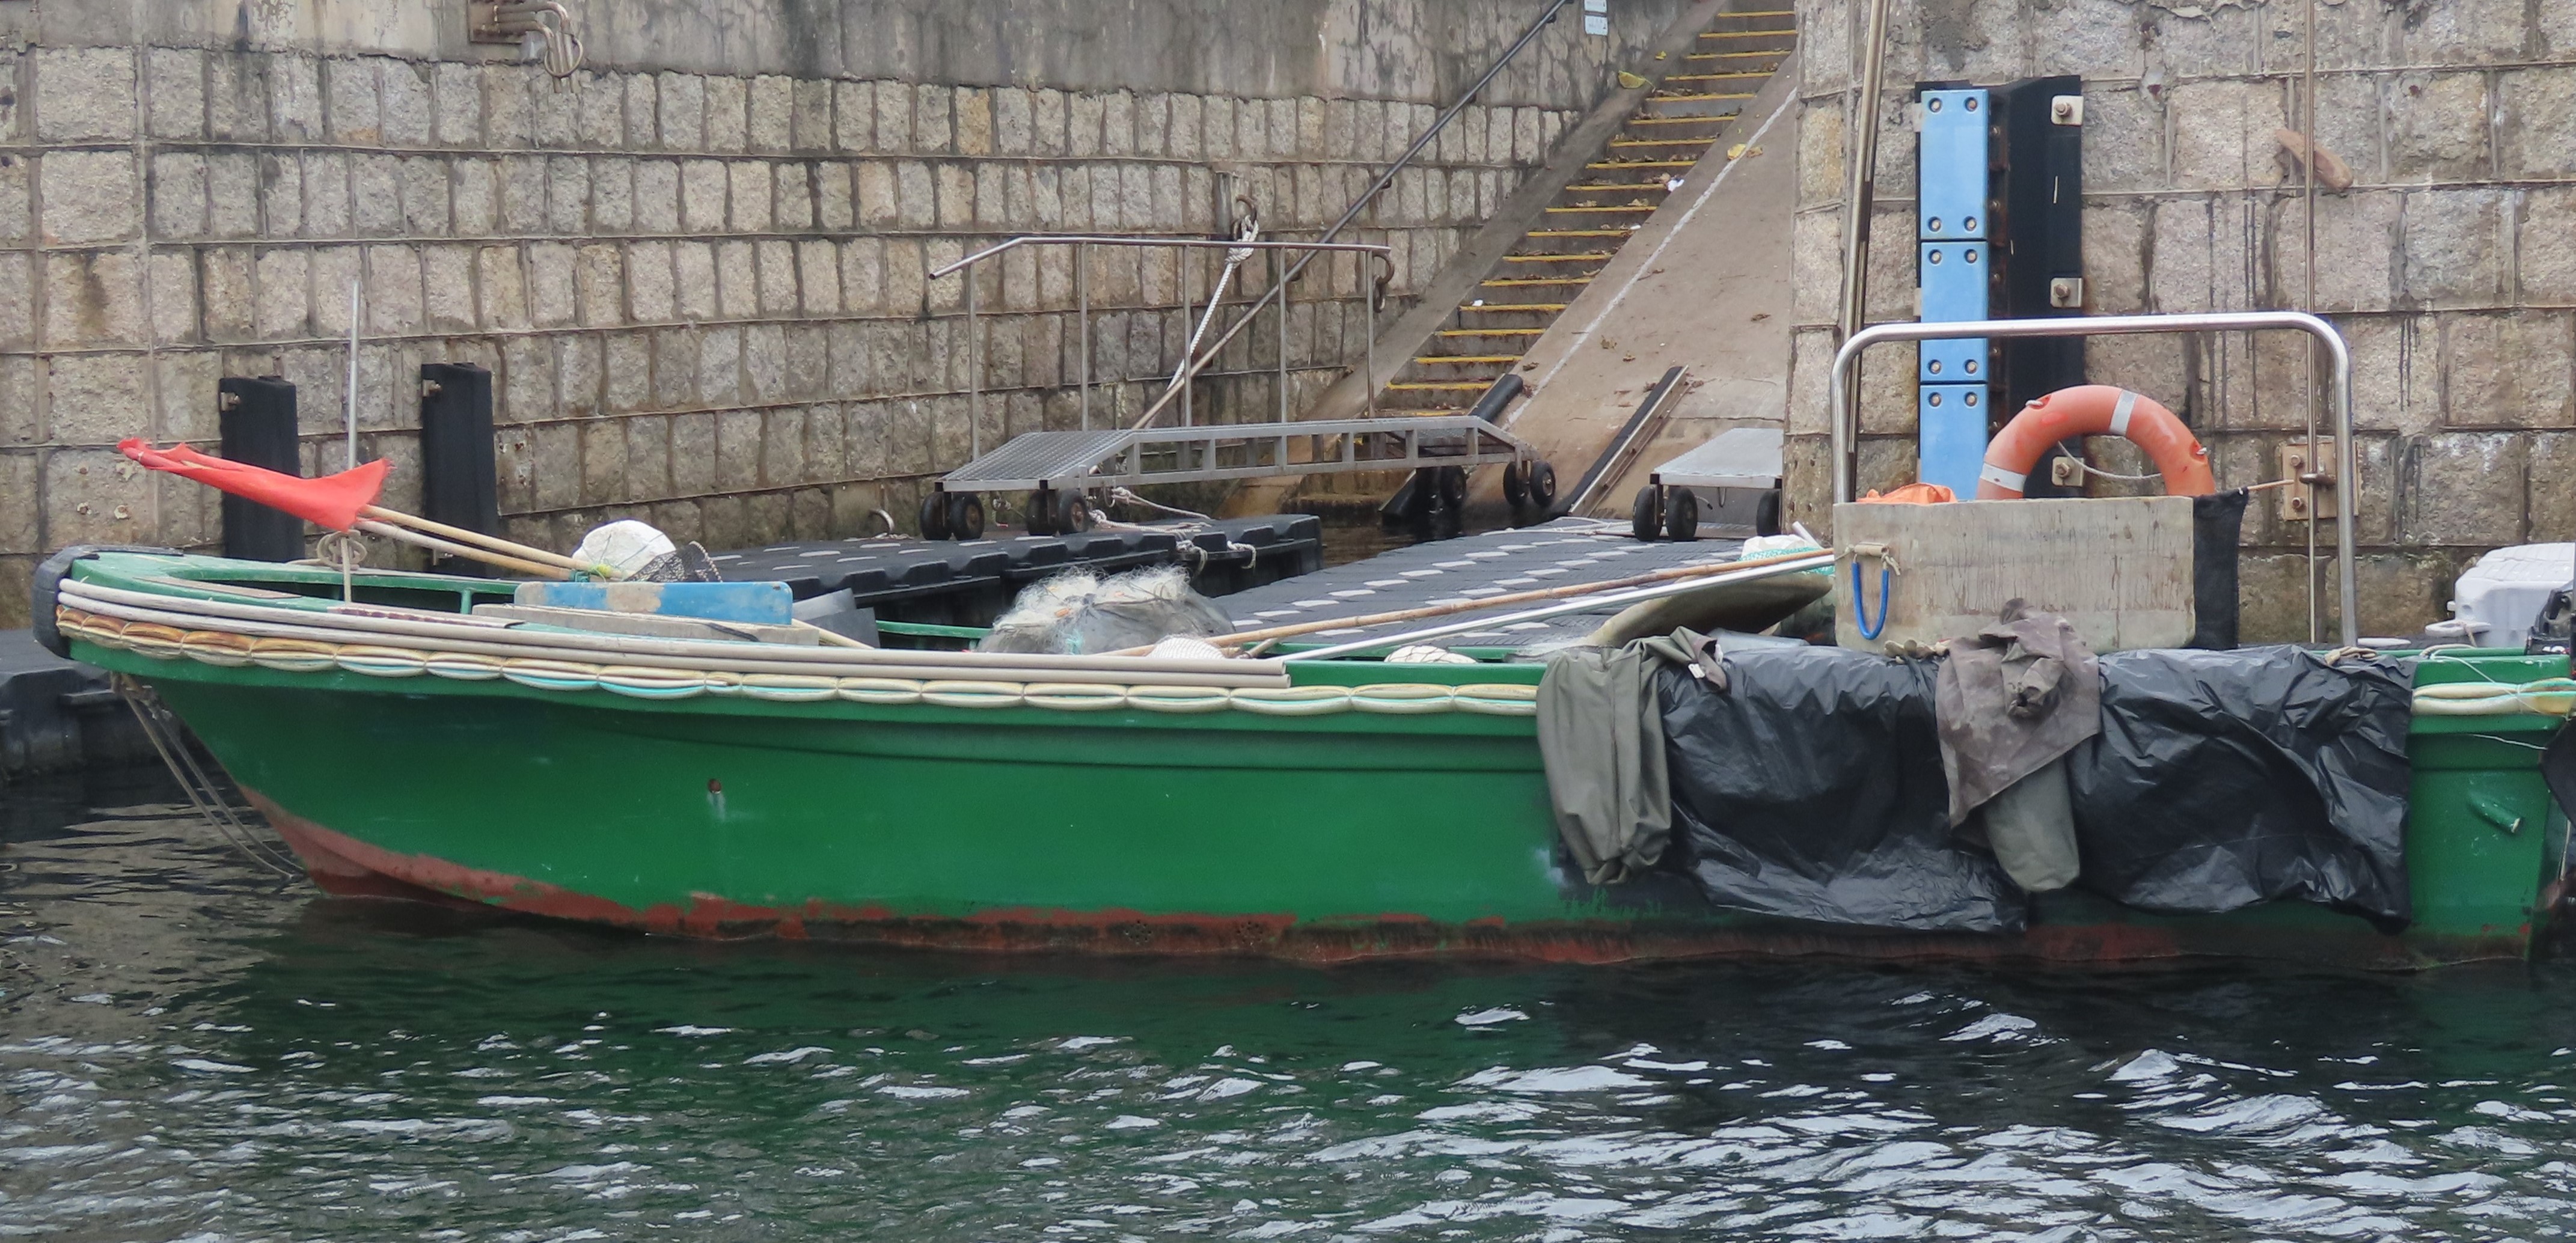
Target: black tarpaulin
[[2223, 779], [1811, 789]]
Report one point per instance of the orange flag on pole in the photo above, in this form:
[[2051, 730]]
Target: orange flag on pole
[[332, 500]]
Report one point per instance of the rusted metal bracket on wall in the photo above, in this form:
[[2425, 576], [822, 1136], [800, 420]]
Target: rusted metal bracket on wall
[[519, 21]]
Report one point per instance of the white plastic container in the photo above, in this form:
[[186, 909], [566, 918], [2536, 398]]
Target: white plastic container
[[2500, 594]]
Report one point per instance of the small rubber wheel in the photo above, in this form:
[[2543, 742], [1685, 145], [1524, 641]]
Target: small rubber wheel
[[1542, 487], [1766, 513], [934, 515], [965, 516], [1072, 513], [1041, 513], [1453, 487], [1681, 515], [1646, 518], [1514, 491]]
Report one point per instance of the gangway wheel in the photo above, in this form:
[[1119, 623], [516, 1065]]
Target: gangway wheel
[[1058, 513], [1531, 495], [965, 515], [1646, 517], [934, 515], [1681, 514], [1766, 513]]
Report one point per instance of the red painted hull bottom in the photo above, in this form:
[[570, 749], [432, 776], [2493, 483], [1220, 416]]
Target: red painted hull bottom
[[346, 867]]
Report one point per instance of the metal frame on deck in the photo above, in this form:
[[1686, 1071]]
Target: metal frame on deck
[[1846, 414], [1079, 461]]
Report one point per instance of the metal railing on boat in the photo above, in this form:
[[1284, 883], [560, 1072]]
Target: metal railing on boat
[[1846, 415]]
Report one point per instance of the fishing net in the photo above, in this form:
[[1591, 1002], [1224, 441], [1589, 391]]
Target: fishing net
[[1079, 612]]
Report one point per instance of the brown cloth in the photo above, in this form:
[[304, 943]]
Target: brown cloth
[[2011, 701]]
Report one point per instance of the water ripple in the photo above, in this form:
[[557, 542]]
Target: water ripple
[[190, 1050]]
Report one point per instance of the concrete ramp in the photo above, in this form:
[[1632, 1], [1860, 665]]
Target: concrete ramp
[[1703, 285]]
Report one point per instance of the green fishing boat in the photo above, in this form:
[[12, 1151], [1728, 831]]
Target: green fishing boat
[[1322, 810]]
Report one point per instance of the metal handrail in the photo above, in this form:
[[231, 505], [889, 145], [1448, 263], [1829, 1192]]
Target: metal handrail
[[1081, 243], [1384, 253], [1192, 366], [2339, 396], [1278, 288]]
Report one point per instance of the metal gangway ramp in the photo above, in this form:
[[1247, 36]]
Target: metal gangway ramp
[[1061, 469]]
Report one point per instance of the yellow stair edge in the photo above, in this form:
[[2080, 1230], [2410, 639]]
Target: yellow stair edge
[[1465, 360], [1646, 164], [1543, 308], [1487, 332], [1576, 257], [1513, 281]]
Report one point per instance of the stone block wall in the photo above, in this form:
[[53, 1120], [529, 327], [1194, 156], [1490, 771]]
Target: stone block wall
[[699, 268], [2449, 265]]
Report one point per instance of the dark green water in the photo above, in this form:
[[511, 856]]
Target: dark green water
[[192, 1050]]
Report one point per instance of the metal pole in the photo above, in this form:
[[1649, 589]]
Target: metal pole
[[356, 308], [974, 379], [1858, 196], [1368, 376], [1181, 273], [1082, 321], [1282, 383], [2346, 477], [347, 542]]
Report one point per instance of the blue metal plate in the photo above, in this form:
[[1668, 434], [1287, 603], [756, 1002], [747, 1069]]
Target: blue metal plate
[[1950, 435]]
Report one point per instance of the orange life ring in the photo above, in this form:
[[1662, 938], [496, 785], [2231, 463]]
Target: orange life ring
[[2094, 410]]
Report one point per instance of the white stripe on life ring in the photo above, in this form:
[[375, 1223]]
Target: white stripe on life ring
[[2001, 478], [2120, 413]]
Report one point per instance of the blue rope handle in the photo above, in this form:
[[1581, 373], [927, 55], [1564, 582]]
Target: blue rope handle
[[1860, 603]]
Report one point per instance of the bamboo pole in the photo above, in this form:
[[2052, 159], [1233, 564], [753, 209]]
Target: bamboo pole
[[460, 535], [435, 544], [1570, 590]]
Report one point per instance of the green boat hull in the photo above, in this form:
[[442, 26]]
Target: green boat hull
[[1015, 829], [1328, 837]]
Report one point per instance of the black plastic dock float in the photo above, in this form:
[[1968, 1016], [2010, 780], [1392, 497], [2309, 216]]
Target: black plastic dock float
[[970, 582], [57, 715]]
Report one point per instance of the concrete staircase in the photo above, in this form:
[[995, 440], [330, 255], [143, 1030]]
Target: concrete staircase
[[1594, 214]]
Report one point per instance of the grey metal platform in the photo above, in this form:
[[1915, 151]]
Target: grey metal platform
[[1567, 550], [1741, 457], [1131, 457]]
